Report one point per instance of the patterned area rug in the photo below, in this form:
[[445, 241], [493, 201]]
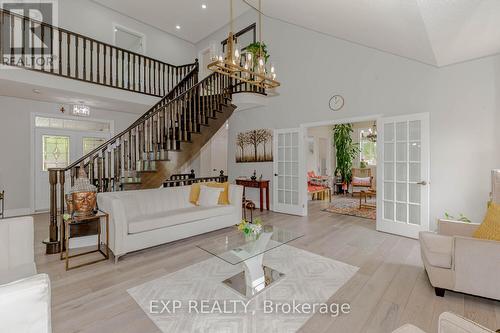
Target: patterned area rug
[[309, 278], [347, 205]]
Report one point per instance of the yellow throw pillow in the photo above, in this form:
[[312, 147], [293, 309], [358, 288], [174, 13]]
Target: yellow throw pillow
[[490, 228], [224, 196], [194, 195]]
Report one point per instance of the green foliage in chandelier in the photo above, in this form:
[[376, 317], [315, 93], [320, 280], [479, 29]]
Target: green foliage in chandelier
[[255, 49], [346, 150]]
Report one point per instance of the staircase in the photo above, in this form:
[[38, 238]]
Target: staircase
[[156, 145]]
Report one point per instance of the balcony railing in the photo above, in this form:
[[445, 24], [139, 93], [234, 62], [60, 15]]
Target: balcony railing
[[41, 47]]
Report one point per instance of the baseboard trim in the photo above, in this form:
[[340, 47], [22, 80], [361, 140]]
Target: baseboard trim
[[17, 212]]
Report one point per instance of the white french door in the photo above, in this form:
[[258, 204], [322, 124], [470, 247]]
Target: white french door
[[286, 190], [403, 192]]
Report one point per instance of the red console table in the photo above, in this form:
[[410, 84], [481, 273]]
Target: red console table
[[259, 184]]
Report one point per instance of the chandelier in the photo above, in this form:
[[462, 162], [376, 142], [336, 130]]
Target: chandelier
[[371, 135], [245, 67]]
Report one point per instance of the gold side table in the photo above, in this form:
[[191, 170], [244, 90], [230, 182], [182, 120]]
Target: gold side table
[[92, 221]]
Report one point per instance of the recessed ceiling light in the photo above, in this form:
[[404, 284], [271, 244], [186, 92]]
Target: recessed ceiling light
[[37, 91], [204, 6], [178, 27]]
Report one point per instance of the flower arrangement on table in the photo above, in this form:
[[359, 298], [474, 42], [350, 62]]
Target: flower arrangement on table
[[248, 228]]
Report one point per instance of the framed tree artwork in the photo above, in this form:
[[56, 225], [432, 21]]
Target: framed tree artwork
[[254, 146]]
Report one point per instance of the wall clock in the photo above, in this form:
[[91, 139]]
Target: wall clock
[[336, 102]]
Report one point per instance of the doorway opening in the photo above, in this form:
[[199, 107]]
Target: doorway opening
[[341, 164], [213, 156], [400, 184]]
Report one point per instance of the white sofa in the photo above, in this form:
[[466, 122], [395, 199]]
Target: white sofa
[[146, 218], [24, 296], [449, 323], [454, 260]]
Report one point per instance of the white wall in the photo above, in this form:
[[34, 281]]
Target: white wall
[[15, 146], [91, 19], [461, 99]]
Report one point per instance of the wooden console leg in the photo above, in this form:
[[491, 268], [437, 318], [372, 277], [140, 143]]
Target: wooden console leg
[[439, 292]]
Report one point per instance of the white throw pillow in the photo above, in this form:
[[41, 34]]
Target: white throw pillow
[[209, 196]]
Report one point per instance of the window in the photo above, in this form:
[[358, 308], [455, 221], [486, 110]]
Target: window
[[129, 40], [90, 144], [368, 150], [72, 124], [55, 152]]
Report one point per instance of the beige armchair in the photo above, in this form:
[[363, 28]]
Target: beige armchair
[[454, 260], [449, 323]]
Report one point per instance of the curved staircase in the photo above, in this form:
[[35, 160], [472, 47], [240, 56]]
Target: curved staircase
[[155, 146]]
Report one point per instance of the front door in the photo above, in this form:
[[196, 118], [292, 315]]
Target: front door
[[286, 192], [403, 192], [57, 148]]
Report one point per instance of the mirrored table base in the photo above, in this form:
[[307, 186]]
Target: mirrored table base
[[250, 289]]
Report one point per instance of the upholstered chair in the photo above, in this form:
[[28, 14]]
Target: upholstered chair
[[24, 295], [454, 260]]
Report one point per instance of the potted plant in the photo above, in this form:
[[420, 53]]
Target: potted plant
[[346, 151], [255, 49]]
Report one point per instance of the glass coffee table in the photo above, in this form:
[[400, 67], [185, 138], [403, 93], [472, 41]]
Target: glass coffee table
[[235, 248]]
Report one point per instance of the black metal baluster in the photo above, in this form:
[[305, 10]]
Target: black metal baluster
[[98, 60], [85, 59], [104, 59], [149, 71], [117, 79], [68, 42], [128, 70], [59, 33], [77, 72], [123, 69]]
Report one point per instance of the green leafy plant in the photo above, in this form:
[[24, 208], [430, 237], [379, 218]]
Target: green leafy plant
[[254, 49], [461, 218], [346, 150]]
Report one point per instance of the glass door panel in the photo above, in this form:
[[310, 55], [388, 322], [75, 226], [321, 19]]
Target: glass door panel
[[404, 187], [286, 172]]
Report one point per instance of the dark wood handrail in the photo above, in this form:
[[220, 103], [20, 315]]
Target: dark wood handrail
[[88, 38], [141, 119], [86, 59]]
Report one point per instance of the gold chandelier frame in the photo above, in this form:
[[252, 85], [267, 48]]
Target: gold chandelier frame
[[231, 66]]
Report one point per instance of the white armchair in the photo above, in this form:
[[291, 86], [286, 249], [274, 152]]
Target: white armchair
[[17, 257], [24, 296], [449, 323], [454, 260]]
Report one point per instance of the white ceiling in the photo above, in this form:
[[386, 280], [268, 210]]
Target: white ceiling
[[436, 32], [196, 23], [65, 97]]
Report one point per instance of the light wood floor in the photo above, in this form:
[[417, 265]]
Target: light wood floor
[[391, 287]]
